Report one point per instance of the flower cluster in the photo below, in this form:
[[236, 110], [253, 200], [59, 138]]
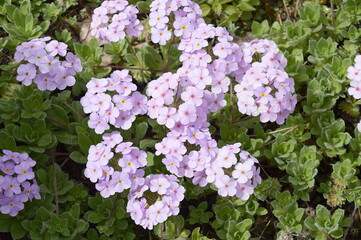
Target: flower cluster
[[182, 106], [354, 74], [115, 165], [118, 109], [17, 182], [155, 200], [181, 102], [184, 19], [211, 164], [113, 20], [49, 65], [264, 88]]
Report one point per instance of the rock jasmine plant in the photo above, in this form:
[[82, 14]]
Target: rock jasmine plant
[[180, 119], [181, 102]]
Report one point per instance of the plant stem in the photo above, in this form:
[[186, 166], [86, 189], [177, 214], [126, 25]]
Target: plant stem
[[113, 210], [273, 34], [246, 118], [328, 236], [86, 36], [288, 14], [65, 161], [289, 130], [74, 110], [56, 154], [134, 52], [231, 102], [301, 98], [55, 188], [131, 68], [333, 12], [283, 129], [139, 139], [161, 232], [269, 221], [351, 222], [57, 122], [277, 131]]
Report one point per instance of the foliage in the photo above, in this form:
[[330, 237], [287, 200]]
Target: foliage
[[309, 165], [326, 224]]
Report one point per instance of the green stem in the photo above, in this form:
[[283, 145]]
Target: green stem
[[55, 188], [113, 210], [246, 119], [74, 111], [130, 68], [134, 52], [57, 122]]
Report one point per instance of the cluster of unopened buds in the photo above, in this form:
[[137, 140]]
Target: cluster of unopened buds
[[113, 20], [17, 182], [354, 74], [49, 65]]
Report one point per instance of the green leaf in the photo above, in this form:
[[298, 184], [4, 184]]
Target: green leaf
[[42, 214], [150, 159], [196, 235], [5, 222], [146, 143], [67, 138], [44, 140], [230, 10], [93, 217], [152, 58], [7, 141], [261, 211], [245, 6], [17, 231], [217, 7], [65, 187], [141, 130], [84, 142], [205, 9], [57, 112], [120, 212], [75, 211], [78, 157], [42, 175], [142, 6]]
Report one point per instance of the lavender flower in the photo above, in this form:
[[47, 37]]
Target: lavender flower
[[18, 185], [115, 19], [182, 102], [120, 109], [155, 200], [44, 64]]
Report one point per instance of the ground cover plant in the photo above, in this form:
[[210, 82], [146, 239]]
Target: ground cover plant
[[179, 119]]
